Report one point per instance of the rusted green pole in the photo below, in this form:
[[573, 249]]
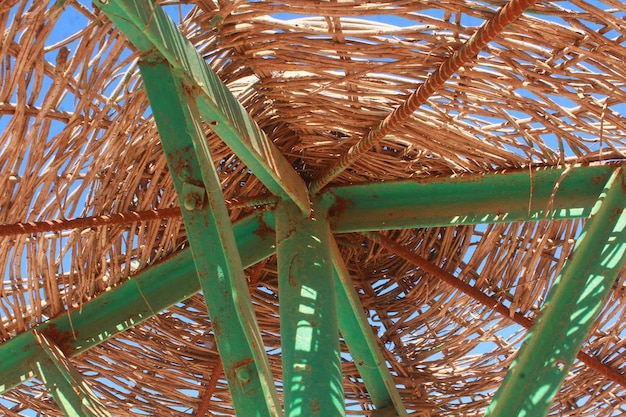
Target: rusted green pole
[[518, 195], [212, 241], [363, 344], [139, 298], [575, 300], [312, 377]]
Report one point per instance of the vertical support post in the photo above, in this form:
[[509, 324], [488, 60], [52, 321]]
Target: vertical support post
[[575, 300], [362, 344], [69, 390], [312, 375]]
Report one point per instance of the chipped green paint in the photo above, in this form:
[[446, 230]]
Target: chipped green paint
[[162, 285], [212, 243], [552, 193], [151, 291]]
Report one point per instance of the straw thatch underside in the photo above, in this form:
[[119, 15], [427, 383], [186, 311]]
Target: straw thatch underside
[[77, 139]]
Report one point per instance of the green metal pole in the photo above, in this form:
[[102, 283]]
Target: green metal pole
[[575, 300], [521, 195], [363, 344], [352, 208], [212, 243], [71, 393], [154, 33], [312, 376]]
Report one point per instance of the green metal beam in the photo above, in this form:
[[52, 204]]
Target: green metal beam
[[103, 317], [212, 243], [362, 343], [312, 376], [152, 31], [575, 300], [472, 199], [152, 291], [71, 393], [169, 282]]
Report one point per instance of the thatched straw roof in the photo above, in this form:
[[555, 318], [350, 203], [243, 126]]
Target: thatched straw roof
[[78, 141]]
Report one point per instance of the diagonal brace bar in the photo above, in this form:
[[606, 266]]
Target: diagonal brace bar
[[69, 390], [575, 300], [362, 343], [212, 242], [149, 28]]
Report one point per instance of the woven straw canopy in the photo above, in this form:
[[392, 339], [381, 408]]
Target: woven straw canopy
[[377, 93]]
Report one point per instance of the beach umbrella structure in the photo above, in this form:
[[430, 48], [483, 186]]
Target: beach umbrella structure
[[312, 208]]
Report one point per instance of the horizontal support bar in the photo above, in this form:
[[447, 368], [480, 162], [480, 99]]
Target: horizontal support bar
[[153, 32], [472, 199]]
